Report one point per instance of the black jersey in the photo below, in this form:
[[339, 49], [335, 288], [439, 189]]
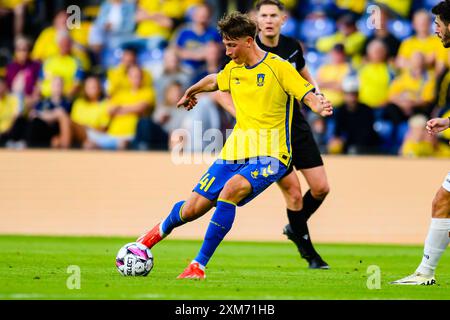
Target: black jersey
[[290, 50]]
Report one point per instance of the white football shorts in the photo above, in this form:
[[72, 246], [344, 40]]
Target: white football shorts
[[446, 183]]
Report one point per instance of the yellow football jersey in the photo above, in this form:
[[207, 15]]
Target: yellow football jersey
[[125, 125], [90, 114], [263, 97]]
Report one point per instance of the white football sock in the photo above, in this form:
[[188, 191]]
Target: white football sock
[[437, 241], [202, 267]]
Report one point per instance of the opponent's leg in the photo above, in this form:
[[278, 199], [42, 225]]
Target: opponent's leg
[[438, 236], [319, 188], [297, 229], [436, 242]]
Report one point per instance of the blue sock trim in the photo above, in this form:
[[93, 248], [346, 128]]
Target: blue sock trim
[[174, 218]]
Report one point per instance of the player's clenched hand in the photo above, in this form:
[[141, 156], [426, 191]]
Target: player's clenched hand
[[436, 125], [187, 102], [327, 108]]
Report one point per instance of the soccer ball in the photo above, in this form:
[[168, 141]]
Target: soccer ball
[[134, 259]]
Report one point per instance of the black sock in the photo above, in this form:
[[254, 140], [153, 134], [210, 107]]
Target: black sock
[[310, 205], [298, 223]]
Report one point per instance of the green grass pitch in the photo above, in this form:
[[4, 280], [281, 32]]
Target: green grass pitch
[[36, 268]]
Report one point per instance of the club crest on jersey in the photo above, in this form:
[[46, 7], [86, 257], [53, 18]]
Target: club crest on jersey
[[260, 79]]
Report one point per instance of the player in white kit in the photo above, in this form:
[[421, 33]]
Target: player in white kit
[[439, 232]]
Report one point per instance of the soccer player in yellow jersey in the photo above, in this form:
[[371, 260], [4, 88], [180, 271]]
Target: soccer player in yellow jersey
[[438, 236], [258, 151]]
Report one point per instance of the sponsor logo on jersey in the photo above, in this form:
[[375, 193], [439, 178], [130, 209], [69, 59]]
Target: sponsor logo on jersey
[[236, 81]]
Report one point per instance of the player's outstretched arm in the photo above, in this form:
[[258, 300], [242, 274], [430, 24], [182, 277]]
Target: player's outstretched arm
[[436, 125], [207, 84], [319, 104]]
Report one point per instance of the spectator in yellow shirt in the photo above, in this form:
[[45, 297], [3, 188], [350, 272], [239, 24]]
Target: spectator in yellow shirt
[[155, 19], [417, 142], [47, 45], [331, 75], [62, 65], [423, 41], [375, 76], [412, 91], [90, 111], [125, 109], [117, 77], [401, 7], [356, 6], [348, 34]]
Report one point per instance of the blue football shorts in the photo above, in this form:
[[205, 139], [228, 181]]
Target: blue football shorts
[[261, 172]]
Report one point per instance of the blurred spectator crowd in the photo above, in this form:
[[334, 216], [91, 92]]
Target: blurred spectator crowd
[[110, 77]]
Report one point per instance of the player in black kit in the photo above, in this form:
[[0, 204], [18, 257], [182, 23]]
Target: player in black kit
[[305, 153]]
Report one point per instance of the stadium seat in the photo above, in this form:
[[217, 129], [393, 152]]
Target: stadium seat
[[428, 4], [385, 131], [400, 28], [290, 27], [152, 60], [312, 29], [330, 128], [362, 26], [188, 14], [110, 57], [314, 60], [400, 133], [310, 6]]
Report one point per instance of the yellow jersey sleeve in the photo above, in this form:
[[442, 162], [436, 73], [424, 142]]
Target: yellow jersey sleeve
[[292, 82]]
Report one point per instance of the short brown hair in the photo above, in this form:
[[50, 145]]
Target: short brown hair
[[442, 10], [276, 3], [237, 25]]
